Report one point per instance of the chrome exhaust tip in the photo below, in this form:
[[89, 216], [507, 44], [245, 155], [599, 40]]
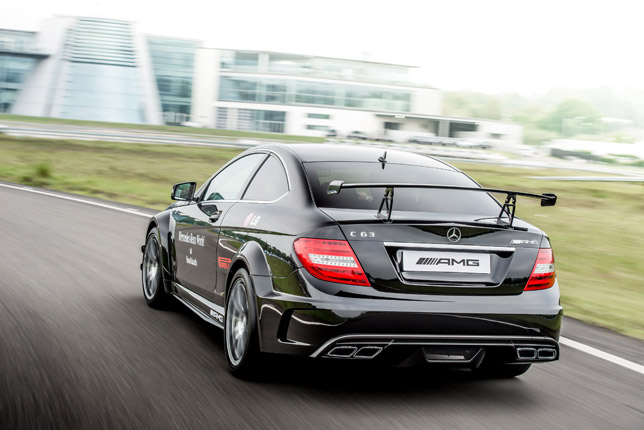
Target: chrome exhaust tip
[[368, 352], [524, 353], [345, 351], [546, 353]]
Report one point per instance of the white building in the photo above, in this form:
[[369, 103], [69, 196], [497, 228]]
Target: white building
[[308, 95], [102, 69]]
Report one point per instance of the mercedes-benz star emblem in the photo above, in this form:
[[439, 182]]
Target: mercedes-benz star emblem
[[454, 234]]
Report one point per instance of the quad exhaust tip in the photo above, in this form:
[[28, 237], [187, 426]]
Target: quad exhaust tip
[[534, 354], [348, 351], [546, 353], [527, 353], [368, 352]]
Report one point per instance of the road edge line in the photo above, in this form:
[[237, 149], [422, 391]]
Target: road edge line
[[74, 199], [601, 354]]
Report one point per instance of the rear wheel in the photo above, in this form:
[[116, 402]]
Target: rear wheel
[[240, 330], [498, 370], [152, 272]]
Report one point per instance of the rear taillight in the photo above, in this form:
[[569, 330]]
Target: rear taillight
[[330, 260], [543, 272]]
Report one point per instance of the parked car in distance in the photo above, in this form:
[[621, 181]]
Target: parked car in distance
[[382, 138], [432, 140], [356, 134], [471, 144], [420, 139], [192, 124]]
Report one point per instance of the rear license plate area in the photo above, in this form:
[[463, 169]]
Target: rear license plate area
[[445, 262]]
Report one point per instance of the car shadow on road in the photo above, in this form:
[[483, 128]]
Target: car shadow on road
[[362, 378]]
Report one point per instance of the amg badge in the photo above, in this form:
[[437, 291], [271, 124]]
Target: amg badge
[[447, 262]]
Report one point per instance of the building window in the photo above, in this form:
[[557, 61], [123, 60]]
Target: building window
[[318, 116], [274, 91], [392, 125], [222, 118], [173, 65], [317, 127], [245, 119], [271, 121], [315, 93], [261, 120], [246, 60]]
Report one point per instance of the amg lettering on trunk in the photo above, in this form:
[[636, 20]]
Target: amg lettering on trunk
[[465, 262]]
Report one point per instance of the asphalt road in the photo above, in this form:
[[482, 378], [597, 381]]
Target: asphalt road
[[79, 349]]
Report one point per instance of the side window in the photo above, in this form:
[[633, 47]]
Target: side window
[[269, 183], [228, 183]]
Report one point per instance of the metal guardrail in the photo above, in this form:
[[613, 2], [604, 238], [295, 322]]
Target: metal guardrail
[[124, 136]]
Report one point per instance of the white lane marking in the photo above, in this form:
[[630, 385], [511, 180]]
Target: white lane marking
[[563, 340], [74, 199], [603, 355]]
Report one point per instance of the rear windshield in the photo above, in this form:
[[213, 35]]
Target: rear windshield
[[405, 199]]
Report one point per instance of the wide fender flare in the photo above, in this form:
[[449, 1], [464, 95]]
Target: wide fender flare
[[253, 257], [162, 222]]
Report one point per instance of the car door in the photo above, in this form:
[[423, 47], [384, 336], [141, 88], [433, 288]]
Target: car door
[[197, 225], [255, 218]]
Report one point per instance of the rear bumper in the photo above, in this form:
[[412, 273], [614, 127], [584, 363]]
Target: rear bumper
[[455, 349], [329, 326]]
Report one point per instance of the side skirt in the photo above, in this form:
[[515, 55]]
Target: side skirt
[[216, 312]]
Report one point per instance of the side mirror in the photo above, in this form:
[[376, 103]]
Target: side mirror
[[184, 191]]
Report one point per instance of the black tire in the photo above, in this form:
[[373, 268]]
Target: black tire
[[241, 341], [152, 272], [501, 371]]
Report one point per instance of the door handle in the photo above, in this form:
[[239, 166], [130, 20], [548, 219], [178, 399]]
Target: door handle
[[215, 216]]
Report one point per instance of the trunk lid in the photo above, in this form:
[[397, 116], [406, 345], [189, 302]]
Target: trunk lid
[[425, 253]]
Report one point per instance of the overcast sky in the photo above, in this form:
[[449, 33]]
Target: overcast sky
[[488, 46]]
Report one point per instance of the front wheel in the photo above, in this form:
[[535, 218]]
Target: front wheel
[[152, 272], [240, 330]]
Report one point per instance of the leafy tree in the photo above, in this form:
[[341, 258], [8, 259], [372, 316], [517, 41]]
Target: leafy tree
[[578, 111], [473, 105]]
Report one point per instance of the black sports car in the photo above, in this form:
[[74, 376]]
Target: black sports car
[[357, 254]]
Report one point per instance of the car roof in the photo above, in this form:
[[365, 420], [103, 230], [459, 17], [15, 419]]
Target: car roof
[[308, 153]]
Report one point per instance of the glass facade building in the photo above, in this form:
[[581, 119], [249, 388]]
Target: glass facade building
[[17, 59], [281, 91], [101, 81], [306, 91], [321, 67], [173, 62], [12, 74], [105, 70], [261, 120]]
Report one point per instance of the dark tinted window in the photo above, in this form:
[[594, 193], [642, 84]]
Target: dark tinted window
[[405, 199], [269, 183], [228, 183]]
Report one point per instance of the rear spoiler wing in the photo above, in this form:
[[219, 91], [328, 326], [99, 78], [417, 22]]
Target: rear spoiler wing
[[509, 207]]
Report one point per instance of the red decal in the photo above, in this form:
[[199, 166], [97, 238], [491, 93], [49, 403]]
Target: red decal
[[248, 219], [224, 263]]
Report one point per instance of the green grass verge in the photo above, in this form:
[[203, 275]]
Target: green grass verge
[[140, 174], [596, 228], [210, 132]]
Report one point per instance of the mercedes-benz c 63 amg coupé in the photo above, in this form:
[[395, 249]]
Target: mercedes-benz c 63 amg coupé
[[350, 253]]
